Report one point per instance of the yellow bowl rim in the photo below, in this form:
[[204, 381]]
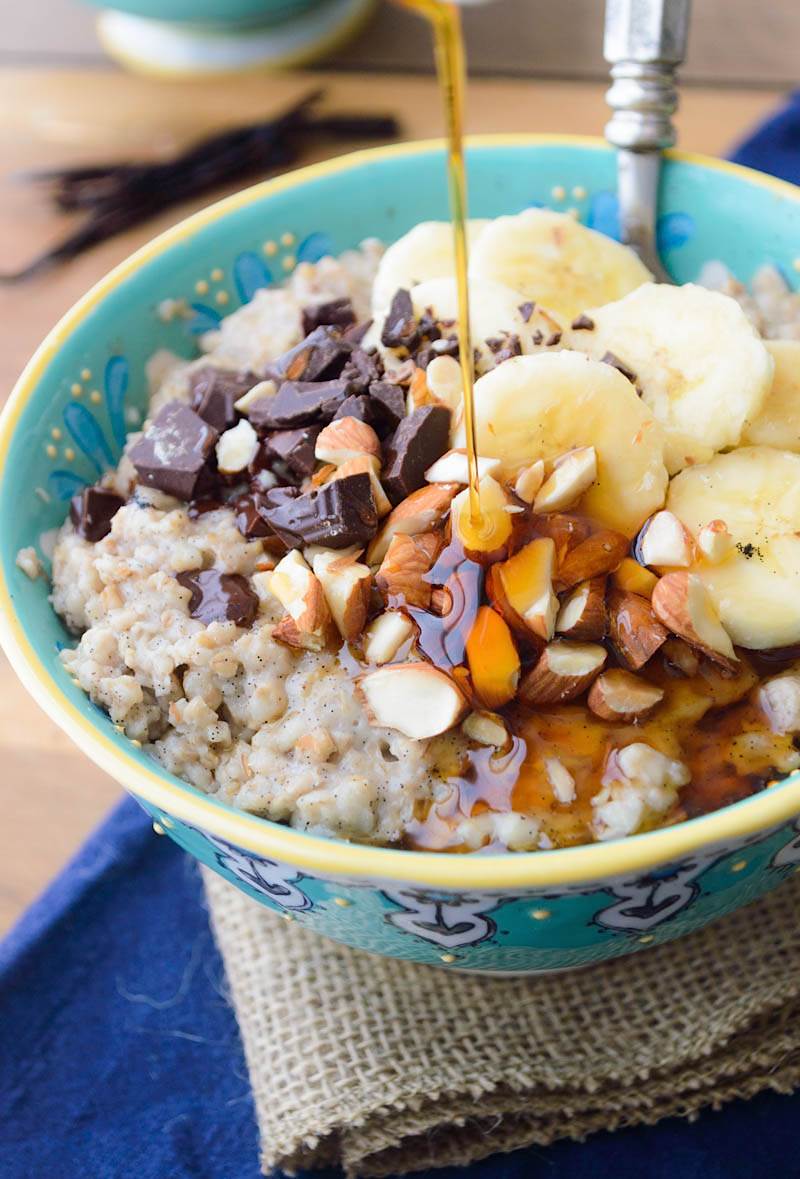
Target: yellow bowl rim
[[317, 854]]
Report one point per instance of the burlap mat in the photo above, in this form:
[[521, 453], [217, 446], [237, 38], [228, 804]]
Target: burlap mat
[[388, 1067]]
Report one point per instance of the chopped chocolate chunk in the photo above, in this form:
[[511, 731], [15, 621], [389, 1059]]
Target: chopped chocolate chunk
[[338, 313], [538, 337], [338, 514], [400, 328], [295, 448], [388, 406], [551, 341], [319, 357], [215, 392], [251, 522], [504, 347], [362, 369], [201, 507], [176, 453], [92, 511], [429, 326], [583, 324], [299, 403], [526, 310], [219, 597], [356, 407], [355, 334], [615, 362], [418, 441]]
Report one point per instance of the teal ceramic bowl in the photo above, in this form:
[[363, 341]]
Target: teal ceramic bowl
[[85, 387], [212, 14]]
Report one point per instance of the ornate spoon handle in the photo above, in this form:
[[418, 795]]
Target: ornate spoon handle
[[645, 42]]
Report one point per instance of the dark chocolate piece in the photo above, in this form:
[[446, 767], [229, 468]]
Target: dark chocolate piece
[[214, 393], [526, 310], [295, 448], [615, 362], [251, 523], [583, 324], [505, 347], [92, 510], [418, 441], [219, 597], [356, 407], [355, 334], [339, 313], [362, 369], [201, 507], [338, 514], [400, 329], [319, 357], [299, 403], [388, 406], [176, 454], [445, 346]]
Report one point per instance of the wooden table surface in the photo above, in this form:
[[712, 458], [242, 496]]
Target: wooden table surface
[[50, 794]]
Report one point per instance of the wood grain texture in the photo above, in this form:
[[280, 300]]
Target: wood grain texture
[[50, 795], [732, 41]]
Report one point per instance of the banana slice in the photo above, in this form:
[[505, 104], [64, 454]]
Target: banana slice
[[778, 423], [426, 251], [698, 363], [551, 257], [541, 406], [756, 587]]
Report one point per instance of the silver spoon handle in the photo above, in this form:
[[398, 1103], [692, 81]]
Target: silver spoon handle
[[645, 42]]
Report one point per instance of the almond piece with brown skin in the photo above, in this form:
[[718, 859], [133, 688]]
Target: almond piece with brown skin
[[563, 672], [572, 476], [635, 632], [346, 584], [453, 467], [418, 512], [346, 438], [301, 595], [288, 633], [598, 554], [385, 635], [522, 589], [682, 603], [417, 699], [528, 481], [633, 577], [401, 577], [583, 612], [365, 464], [619, 695]]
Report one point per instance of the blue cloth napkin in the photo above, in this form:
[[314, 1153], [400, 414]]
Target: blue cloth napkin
[[120, 1056]]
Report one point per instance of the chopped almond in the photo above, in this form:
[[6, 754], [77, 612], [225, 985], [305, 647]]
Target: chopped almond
[[419, 512], [522, 588], [365, 464], [441, 601], [443, 377], [635, 632], [683, 605], [598, 554], [300, 593], [237, 448], [385, 635], [262, 389], [779, 699], [288, 632], [715, 541], [583, 611], [346, 584], [634, 578], [486, 728], [679, 656], [563, 672], [346, 438], [561, 780], [664, 542], [528, 481], [452, 467], [618, 695], [572, 476], [418, 392], [493, 659], [417, 699], [402, 572]]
